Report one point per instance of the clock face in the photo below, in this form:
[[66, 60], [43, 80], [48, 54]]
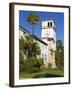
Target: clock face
[[47, 33]]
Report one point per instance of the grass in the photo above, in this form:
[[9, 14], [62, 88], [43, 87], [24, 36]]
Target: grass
[[46, 73]]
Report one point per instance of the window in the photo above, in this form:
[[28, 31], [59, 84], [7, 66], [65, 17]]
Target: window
[[45, 57], [53, 41], [24, 32], [51, 54], [50, 24]]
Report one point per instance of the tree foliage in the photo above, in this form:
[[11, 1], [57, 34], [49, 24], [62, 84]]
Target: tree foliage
[[30, 49], [21, 58], [31, 65], [33, 19], [59, 54]]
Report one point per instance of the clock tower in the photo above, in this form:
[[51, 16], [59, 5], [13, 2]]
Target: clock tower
[[48, 35]]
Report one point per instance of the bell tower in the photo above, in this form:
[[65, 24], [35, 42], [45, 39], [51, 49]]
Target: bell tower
[[48, 35]]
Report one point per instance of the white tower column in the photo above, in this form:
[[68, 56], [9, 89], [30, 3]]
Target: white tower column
[[49, 36]]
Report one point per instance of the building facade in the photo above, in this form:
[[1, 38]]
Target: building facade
[[43, 46], [47, 42]]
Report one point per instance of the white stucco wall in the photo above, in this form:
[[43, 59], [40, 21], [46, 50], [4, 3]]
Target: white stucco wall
[[49, 32], [52, 45], [44, 52], [21, 33]]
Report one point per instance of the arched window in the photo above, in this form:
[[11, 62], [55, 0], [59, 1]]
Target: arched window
[[50, 24], [45, 57]]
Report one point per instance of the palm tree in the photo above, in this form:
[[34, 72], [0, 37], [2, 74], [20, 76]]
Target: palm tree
[[33, 19], [33, 47], [28, 47]]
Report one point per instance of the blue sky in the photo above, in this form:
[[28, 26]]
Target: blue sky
[[57, 17]]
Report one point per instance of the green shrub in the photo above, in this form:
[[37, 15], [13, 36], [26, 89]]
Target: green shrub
[[21, 58], [32, 65], [22, 68]]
